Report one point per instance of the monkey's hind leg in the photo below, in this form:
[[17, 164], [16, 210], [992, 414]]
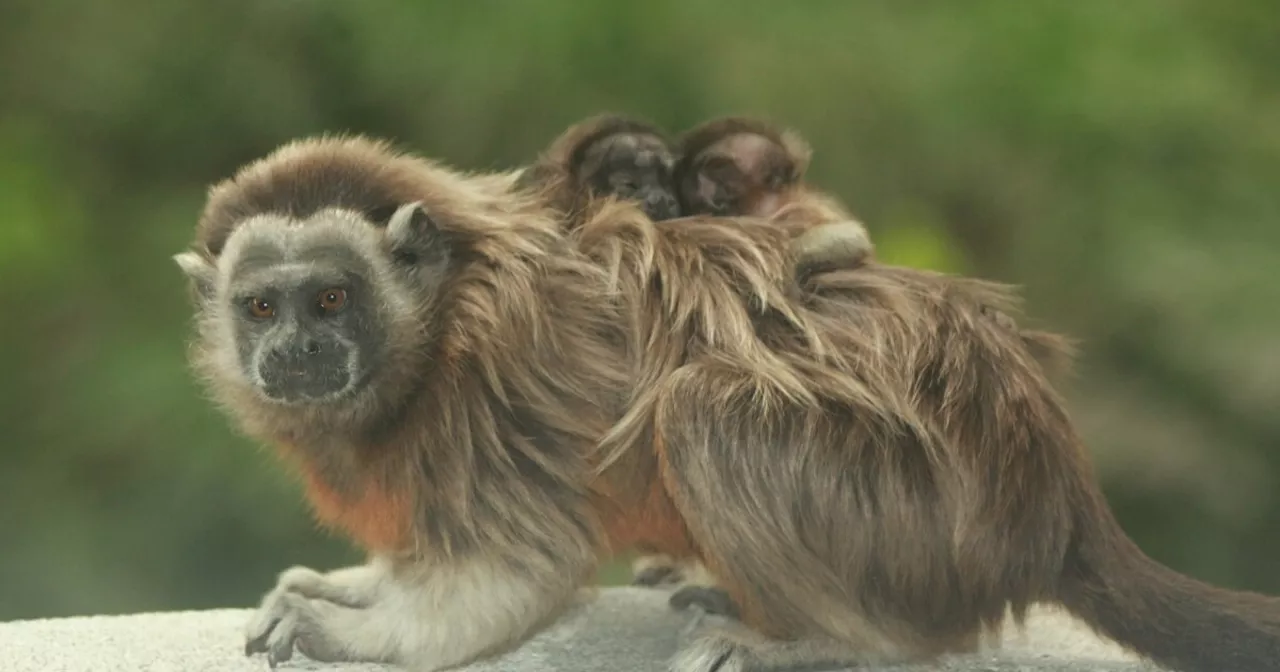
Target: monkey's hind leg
[[698, 589], [710, 599], [778, 494], [693, 584]]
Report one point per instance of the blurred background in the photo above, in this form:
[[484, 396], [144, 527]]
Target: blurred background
[[1121, 161]]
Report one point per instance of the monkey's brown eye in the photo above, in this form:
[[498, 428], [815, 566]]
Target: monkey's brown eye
[[261, 308], [332, 300]]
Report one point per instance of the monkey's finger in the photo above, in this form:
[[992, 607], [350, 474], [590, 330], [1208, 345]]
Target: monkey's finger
[[258, 643], [255, 646], [263, 622], [712, 600], [280, 641]]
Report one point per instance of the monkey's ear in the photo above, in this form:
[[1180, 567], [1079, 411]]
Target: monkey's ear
[[799, 151], [202, 274], [414, 235]]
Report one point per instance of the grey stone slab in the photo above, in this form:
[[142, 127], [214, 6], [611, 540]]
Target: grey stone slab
[[624, 629]]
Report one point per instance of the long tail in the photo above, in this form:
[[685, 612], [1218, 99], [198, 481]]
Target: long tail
[[1172, 619]]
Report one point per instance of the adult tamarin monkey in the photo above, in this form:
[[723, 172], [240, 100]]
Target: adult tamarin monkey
[[487, 404]]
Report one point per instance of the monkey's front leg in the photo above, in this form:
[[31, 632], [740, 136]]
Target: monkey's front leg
[[350, 586], [421, 617]]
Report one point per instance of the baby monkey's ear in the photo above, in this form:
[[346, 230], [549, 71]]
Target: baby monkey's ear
[[415, 237], [200, 272]]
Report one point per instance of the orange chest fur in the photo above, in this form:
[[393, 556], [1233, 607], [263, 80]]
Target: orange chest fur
[[376, 517]]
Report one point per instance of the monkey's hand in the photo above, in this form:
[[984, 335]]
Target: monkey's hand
[[423, 618], [272, 629], [710, 599]]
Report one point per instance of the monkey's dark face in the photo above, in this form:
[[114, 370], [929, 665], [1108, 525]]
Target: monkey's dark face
[[635, 167], [306, 325], [313, 314]]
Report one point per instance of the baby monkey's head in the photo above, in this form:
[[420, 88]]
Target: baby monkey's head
[[624, 157], [739, 166], [631, 165]]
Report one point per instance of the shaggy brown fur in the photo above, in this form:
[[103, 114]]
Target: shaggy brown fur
[[742, 166], [870, 468], [870, 460]]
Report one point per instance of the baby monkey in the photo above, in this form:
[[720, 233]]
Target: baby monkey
[[607, 155], [739, 166]]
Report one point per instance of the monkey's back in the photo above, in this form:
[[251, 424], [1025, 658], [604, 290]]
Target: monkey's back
[[875, 394]]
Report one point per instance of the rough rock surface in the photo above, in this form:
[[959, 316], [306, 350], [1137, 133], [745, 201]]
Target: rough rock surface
[[624, 629]]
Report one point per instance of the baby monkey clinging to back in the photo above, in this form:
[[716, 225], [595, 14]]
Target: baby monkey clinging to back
[[739, 166], [728, 166], [605, 155]]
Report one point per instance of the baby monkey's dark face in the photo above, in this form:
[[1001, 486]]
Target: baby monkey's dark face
[[632, 166]]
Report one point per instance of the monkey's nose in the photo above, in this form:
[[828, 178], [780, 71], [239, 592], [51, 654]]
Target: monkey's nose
[[307, 369]]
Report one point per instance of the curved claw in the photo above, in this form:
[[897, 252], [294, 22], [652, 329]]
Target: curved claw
[[283, 635], [261, 626]]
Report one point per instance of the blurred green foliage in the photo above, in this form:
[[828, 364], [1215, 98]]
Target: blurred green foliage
[[1121, 160]]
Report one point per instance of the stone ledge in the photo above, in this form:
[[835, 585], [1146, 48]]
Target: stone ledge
[[625, 629]]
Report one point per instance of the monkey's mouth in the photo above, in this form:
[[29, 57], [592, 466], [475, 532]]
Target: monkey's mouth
[[295, 386]]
